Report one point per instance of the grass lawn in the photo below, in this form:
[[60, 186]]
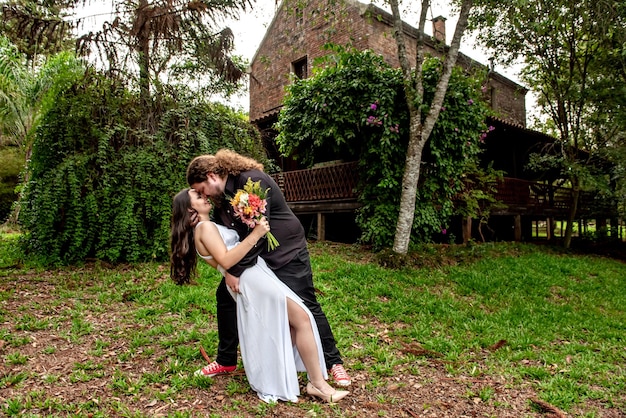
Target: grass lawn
[[486, 330]]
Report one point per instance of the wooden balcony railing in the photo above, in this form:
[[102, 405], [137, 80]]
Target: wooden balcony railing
[[333, 182], [337, 183], [529, 196], [533, 198]]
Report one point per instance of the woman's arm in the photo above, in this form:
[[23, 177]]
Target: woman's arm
[[210, 239]]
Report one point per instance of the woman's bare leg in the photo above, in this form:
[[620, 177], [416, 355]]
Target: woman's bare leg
[[304, 339]]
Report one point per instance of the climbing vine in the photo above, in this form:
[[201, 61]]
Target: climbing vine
[[101, 186], [353, 108]]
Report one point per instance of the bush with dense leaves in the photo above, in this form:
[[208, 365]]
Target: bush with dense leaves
[[353, 108], [101, 184]]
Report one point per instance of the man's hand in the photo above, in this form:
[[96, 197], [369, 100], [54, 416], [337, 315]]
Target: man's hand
[[232, 282]]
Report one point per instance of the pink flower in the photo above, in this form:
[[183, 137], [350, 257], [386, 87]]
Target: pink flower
[[373, 106], [373, 120]]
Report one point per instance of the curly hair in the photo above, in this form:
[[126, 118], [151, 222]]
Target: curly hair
[[183, 258], [224, 162]]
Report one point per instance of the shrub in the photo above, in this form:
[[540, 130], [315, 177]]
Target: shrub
[[11, 165], [354, 108], [101, 183]]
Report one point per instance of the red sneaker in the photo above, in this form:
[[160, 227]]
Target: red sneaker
[[340, 376], [214, 369]]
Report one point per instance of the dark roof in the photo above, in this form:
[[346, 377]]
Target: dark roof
[[270, 115], [514, 125]]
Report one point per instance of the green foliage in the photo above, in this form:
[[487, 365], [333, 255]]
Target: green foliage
[[353, 100], [11, 164], [16, 94], [353, 108], [477, 196], [37, 27], [11, 254], [102, 187], [179, 41], [23, 92], [573, 55]]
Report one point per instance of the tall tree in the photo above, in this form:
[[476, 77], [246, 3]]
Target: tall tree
[[564, 46], [422, 115], [168, 36], [149, 43]]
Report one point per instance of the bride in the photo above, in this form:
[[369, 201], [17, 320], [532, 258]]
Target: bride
[[277, 333]]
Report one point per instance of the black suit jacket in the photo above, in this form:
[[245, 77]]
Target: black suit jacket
[[284, 225]]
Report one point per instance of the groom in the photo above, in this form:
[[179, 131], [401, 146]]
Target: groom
[[218, 177]]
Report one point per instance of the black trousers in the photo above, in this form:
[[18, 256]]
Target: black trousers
[[298, 276]]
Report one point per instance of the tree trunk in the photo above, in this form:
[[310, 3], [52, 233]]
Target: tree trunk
[[142, 32], [467, 229], [409, 187], [420, 130]]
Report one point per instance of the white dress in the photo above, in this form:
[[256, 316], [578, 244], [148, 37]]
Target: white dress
[[270, 359]]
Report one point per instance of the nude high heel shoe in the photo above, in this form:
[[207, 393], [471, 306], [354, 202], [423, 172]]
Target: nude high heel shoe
[[335, 397]]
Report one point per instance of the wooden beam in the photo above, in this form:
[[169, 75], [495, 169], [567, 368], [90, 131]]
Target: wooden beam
[[517, 231], [321, 226], [467, 229], [303, 208]]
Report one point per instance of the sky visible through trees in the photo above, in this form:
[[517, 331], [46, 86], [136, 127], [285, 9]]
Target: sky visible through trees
[[250, 29]]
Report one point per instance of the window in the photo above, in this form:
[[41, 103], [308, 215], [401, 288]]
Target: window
[[299, 14], [299, 68]]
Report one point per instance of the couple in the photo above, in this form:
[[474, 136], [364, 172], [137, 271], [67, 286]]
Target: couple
[[279, 323]]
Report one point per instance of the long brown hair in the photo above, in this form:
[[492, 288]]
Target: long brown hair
[[224, 162], [183, 258]]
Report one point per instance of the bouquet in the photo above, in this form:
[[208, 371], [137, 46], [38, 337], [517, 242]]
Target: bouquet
[[249, 206]]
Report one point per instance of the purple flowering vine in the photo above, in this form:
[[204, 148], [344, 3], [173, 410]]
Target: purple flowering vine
[[373, 121]]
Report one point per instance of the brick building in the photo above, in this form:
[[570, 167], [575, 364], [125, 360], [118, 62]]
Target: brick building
[[294, 40], [295, 37]]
